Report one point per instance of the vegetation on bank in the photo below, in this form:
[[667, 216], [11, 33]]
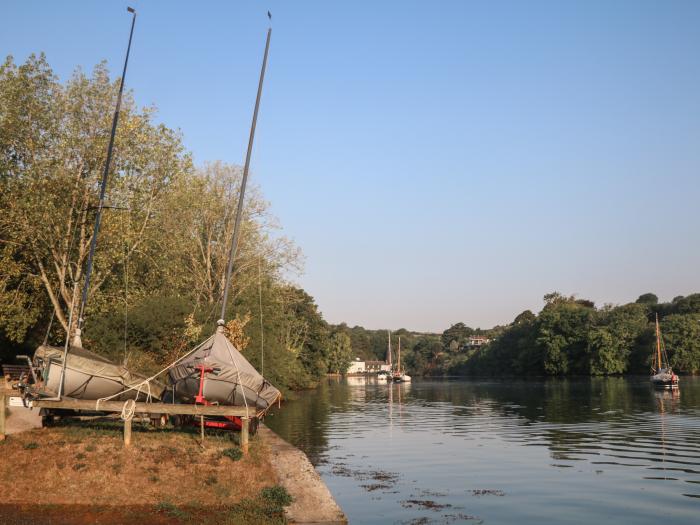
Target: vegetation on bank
[[164, 240], [569, 336]]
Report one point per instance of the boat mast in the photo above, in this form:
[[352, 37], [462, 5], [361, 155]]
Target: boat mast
[[103, 189], [241, 197], [388, 352], [93, 242], [399, 359], [658, 345]]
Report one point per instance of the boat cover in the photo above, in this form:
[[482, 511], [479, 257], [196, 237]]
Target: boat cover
[[91, 376], [233, 381]]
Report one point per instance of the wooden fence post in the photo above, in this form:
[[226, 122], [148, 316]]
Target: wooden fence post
[[245, 423], [127, 433], [2, 417]]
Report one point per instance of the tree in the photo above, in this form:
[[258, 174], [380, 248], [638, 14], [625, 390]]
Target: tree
[[339, 353], [647, 298], [53, 141], [456, 336]]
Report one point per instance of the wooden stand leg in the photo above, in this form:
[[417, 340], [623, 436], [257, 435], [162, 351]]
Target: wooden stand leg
[[127, 433], [245, 423], [2, 417]]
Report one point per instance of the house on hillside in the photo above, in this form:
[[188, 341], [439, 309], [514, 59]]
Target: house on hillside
[[475, 341]]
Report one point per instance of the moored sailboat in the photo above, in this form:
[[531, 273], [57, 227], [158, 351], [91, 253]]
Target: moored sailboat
[[662, 373], [400, 376]]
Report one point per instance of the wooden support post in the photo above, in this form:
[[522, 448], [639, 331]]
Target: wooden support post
[[245, 423], [127, 433], [2, 417], [201, 427]]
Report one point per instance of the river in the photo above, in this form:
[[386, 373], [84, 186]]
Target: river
[[503, 451]]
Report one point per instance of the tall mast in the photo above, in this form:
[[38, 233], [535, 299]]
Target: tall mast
[[241, 197], [658, 345], [388, 351], [399, 365], [103, 188]]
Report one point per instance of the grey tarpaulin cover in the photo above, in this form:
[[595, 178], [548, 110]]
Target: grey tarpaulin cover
[[91, 376], [234, 380]]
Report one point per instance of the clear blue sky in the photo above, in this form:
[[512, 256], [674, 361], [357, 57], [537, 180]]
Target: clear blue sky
[[436, 161]]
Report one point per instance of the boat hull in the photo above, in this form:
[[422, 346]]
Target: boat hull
[[229, 378], [90, 376], [665, 379]]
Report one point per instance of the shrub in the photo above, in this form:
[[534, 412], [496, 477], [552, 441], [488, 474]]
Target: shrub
[[233, 453]]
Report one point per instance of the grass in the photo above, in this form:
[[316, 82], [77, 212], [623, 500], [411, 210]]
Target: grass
[[161, 466]]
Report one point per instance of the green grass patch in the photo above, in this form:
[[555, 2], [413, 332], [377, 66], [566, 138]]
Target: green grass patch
[[276, 495], [165, 507], [31, 445], [232, 453]]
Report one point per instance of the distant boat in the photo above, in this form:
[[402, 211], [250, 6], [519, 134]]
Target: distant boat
[[383, 375], [662, 373], [399, 375]]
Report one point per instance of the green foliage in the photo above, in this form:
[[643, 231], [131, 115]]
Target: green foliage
[[164, 240], [572, 337], [232, 453], [339, 353], [277, 495]]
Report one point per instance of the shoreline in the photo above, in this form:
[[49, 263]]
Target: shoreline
[[313, 501], [77, 447]]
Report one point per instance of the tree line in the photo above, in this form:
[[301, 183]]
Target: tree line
[[160, 262], [569, 337]]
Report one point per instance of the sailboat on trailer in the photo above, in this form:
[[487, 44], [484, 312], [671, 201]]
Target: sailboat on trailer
[[662, 373], [72, 370], [215, 372]]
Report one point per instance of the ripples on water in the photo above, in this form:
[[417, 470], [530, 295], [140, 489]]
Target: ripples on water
[[465, 451]]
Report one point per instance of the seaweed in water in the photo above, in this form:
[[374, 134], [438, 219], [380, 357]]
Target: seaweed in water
[[487, 492], [424, 504]]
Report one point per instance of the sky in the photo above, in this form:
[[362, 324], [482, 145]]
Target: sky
[[436, 162]]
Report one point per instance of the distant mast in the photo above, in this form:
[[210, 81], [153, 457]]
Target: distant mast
[[398, 366], [658, 345], [388, 351]]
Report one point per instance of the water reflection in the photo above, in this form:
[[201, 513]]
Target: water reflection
[[547, 446]]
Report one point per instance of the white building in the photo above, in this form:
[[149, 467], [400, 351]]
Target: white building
[[356, 367]]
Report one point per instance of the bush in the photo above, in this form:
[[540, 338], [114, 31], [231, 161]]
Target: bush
[[277, 495], [233, 453]]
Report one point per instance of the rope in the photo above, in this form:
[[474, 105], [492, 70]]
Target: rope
[[126, 275], [147, 382], [128, 410], [48, 330], [262, 332], [228, 347]]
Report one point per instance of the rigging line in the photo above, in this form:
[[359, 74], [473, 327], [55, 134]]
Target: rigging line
[[48, 330], [126, 274], [262, 332]]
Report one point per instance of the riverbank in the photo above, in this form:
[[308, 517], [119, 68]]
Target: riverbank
[[80, 472]]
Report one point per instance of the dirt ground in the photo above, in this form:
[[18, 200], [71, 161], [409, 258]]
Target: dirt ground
[[80, 472]]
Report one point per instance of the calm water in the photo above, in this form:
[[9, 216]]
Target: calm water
[[471, 451]]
